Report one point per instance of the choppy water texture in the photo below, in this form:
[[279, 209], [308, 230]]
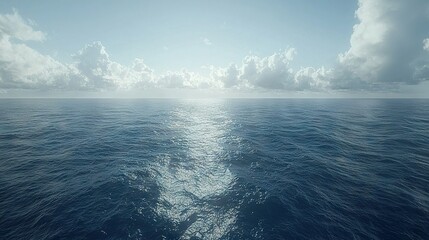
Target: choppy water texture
[[214, 169]]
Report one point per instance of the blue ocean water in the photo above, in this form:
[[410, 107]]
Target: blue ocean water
[[214, 169]]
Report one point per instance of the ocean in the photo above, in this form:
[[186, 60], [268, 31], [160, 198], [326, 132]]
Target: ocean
[[214, 169]]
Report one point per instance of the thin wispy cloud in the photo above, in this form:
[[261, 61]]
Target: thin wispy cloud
[[13, 25], [426, 44], [206, 41]]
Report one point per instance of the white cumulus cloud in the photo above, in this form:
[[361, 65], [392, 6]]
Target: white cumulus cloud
[[385, 47], [271, 72], [389, 47], [22, 66]]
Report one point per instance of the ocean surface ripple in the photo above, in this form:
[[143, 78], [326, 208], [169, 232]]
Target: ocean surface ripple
[[214, 169]]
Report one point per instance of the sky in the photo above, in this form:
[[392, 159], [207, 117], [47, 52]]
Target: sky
[[226, 48]]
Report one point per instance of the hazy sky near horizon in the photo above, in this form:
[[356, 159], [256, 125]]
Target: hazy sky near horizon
[[278, 46]]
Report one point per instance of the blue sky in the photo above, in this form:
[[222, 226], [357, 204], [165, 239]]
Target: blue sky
[[277, 45], [168, 34]]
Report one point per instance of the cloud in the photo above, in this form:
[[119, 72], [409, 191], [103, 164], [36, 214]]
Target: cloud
[[228, 77], [13, 26], [206, 41], [20, 65], [100, 72], [389, 47], [426, 44], [309, 78], [271, 72], [181, 79], [95, 66], [385, 47]]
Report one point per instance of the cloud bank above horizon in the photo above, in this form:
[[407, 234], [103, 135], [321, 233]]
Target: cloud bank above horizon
[[389, 48]]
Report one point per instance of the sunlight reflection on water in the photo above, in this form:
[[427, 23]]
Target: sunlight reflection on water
[[188, 183]]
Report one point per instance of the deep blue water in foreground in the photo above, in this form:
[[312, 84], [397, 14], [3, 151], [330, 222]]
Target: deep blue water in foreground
[[214, 169]]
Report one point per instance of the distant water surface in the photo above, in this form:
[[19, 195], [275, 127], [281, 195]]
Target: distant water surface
[[214, 169]]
